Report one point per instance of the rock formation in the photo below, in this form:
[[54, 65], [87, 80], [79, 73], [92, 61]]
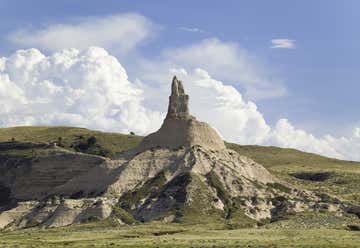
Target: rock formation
[[178, 101], [180, 129], [182, 172]]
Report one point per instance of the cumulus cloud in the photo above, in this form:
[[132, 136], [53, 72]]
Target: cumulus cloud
[[284, 134], [117, 32], [356, 132], [348, 147], [283, 43], [88, 88], [226, 61]]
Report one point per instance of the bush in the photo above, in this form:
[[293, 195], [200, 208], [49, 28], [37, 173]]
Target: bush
[[280, 187], [123, 215], [353, 227], [90, 146]]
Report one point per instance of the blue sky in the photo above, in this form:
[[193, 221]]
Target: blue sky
[[319, 76]]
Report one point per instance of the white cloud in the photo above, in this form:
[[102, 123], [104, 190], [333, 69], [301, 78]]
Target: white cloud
[[193, 30], [284, 134], [88, 88], [283, 43], [117, 32], [226, 61], [356, 132]]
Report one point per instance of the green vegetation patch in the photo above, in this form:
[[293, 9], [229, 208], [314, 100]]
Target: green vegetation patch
[[313, 220], [279, 186], [214, 181], [234, 215], [196, 204], [123, 215], [134, 197], [274, 157]]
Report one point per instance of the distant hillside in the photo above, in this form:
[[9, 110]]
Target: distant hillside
[[69, 137], [306, 170]]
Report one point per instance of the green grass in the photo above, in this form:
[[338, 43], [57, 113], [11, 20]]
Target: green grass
[[178, 235], [344, 180], [114, 142], [277, 158]]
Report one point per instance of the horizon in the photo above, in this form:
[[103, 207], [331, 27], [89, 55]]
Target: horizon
[[286, 80]]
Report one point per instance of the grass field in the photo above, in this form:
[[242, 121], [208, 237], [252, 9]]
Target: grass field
[[176, 235], [305, 170]]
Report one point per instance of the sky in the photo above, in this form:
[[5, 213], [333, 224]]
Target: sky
[[277, 72]]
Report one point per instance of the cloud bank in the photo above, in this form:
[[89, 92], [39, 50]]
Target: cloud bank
[[88, 88]]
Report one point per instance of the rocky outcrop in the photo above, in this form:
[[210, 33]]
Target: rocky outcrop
[[182, 172], [52, 213], [36, 178]]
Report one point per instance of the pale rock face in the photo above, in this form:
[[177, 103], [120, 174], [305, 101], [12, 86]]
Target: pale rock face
[[16, 213], [178, 101]]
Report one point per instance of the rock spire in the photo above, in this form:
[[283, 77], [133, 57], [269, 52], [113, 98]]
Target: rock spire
[[179, 128], [178, 101]]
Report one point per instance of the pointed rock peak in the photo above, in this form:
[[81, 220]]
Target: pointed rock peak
[[177, 87], [180, 129], [178, 101]]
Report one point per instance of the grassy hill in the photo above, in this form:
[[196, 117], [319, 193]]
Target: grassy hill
[[69, 136], [306, 170]]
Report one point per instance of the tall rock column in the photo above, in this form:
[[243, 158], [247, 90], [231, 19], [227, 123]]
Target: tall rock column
[[180, 129], [178, 101]]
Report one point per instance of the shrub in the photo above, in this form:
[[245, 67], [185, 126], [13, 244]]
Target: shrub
[[123, 215]]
